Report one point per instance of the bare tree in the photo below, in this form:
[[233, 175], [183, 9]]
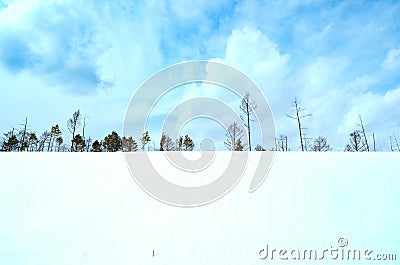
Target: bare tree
[[356, 143], [281, 143], [73, 123], [166, 143], [361, 125], [298, 117], [84, 126], [23, 143], [373, 137], [88, 143], [320, 145], [234, 134], [43, 140], [394, 145], [306, 142], [247, 107]]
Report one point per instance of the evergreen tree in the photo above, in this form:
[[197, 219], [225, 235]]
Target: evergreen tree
[[188, 143], [96, 146], [79, 143], [145, 140], [10, 142], [112, 142]]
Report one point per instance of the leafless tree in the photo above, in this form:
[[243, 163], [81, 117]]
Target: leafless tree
[[298, 116], [281, 143], [234, 134], [247, 107], [43, 140], [394, 145], [365, 140], [320, 145], [73, 123], [166, 143], [373, 137], [23, 143], [356, 143], [84, 126]]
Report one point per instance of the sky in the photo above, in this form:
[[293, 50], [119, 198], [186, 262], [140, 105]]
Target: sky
[[99, 215], [341, 59]]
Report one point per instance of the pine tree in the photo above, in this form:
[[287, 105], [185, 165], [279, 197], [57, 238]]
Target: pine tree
[[112, 142], [188, 143]]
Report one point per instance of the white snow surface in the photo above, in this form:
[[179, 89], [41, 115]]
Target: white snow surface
[[85, 208]]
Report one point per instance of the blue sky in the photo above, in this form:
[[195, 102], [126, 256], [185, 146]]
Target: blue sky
[[340, 58]]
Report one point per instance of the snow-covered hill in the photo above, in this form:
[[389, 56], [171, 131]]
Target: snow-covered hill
[[58, 208]]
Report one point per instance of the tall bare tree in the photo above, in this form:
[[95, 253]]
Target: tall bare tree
[[73, 124], [84, 126], [247, 107], [364, 136], [23, 143], [373, 137], [298, 116]]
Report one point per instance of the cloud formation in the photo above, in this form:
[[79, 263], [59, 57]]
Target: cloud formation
[[341, 59]]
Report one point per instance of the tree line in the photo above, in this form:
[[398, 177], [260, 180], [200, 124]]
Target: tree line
[[25, 140]]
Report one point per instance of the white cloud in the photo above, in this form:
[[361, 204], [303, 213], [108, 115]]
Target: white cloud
[[392, 61], [333, 58]]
